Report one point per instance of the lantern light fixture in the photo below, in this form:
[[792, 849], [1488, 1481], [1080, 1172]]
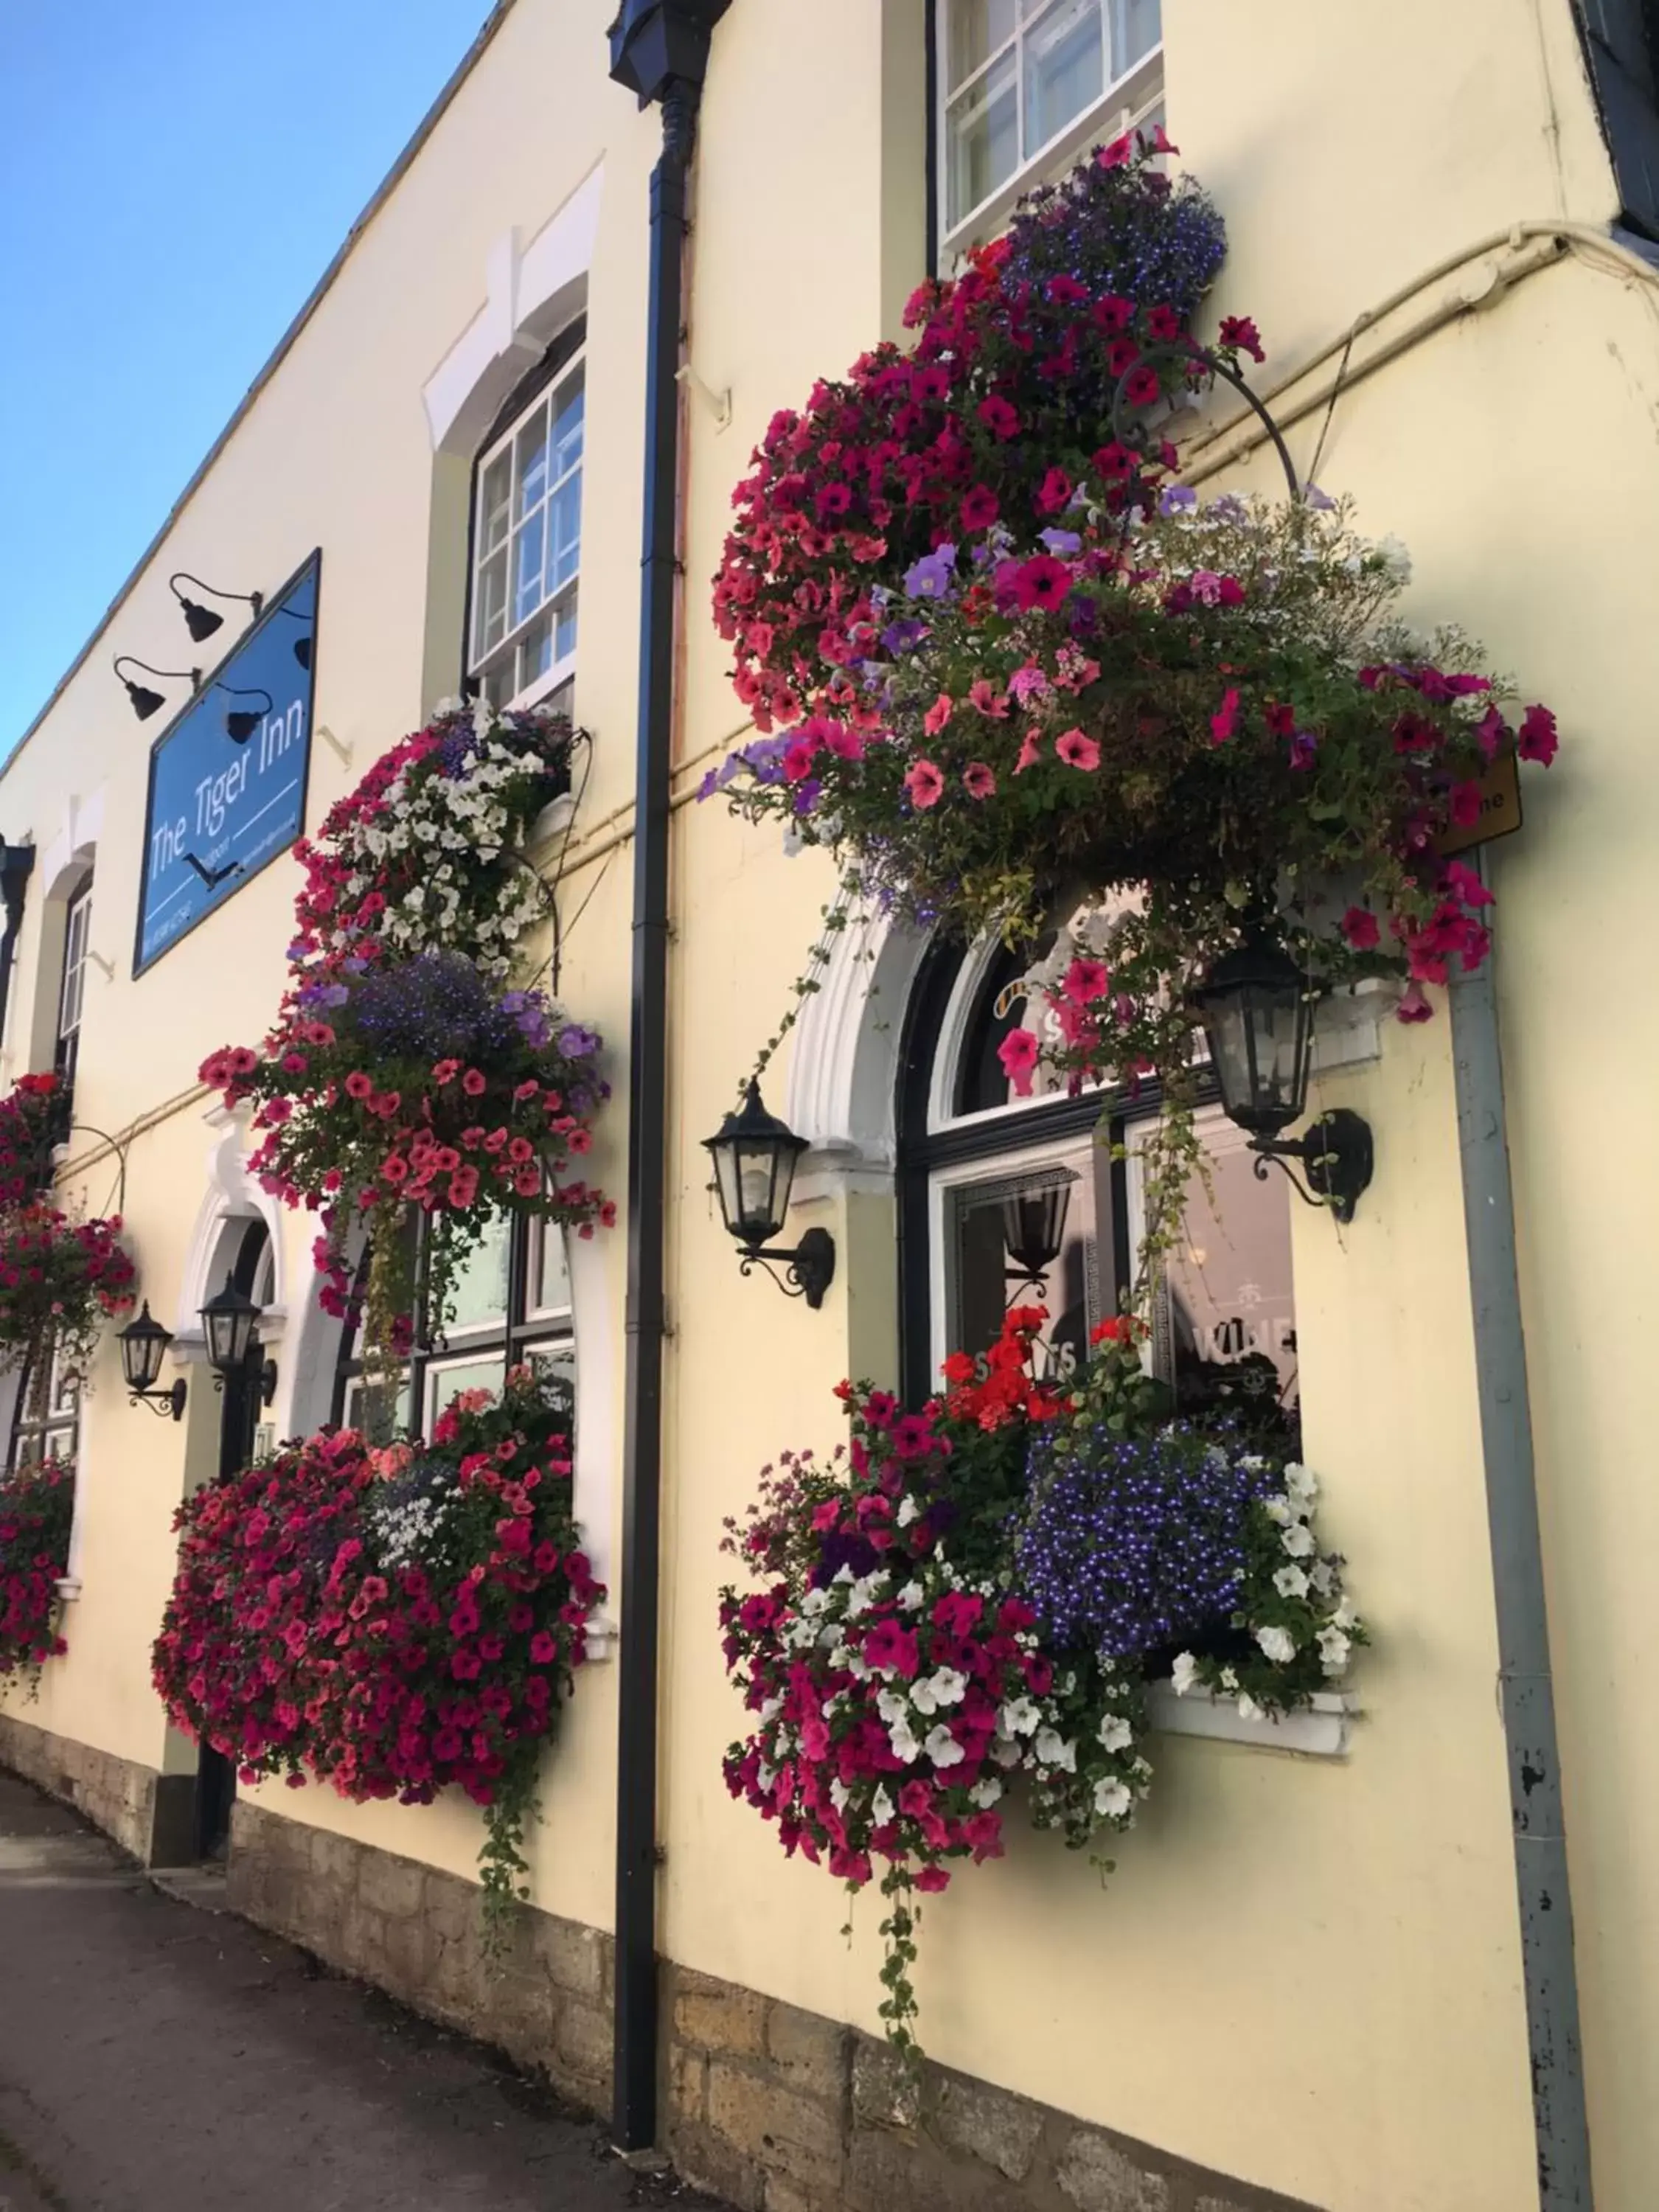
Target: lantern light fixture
[[201, 622], [1257, 1010], [143, 1343], [145, 701], [228, 1320], [755, 1157]]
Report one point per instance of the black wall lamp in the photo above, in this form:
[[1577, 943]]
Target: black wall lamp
[[230, 1321], [240, 722], [755, 1158], [201, 622], [1257, 1010], [144, 701], [143, 1343]]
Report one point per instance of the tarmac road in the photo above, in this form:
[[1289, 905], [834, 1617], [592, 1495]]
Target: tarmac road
[[153, 2057]]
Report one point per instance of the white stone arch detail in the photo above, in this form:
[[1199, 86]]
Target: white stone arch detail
[[841, 1094], [533, 291], [230, 1202], [66, 860]]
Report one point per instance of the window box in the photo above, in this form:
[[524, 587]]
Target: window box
[[1320, 1732]]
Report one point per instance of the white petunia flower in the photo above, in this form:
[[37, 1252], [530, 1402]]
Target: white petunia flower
[[934, 1691], [1017, 1717], [1299, 1541], [1345, 1616], [1290, 1582], [1112, 1800], [943, 1748], [1333, 1649], [1247, 1708], [1277, 1643], [882, 1807], [1052, 1750], [911, 1597], [840, 1795], [1278, 1509], [1115, 1732], [1006, 1753], [985, 1794], [905, 1747], [906, 1513], [1184, 1673]]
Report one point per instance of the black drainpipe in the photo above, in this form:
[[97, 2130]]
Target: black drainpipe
[[660, 50]]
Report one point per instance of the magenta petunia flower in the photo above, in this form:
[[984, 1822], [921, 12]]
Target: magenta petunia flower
[[1042, 582], [1018, 1053], [1225, 721], [1359, 927]]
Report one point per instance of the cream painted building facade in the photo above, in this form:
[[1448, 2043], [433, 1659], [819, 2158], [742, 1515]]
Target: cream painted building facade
[[1303, 1984]]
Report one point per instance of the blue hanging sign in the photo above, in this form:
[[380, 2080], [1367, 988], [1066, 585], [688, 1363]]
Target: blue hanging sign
[[227, 776]]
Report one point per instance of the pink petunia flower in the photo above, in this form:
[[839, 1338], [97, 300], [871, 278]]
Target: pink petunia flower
[[924, 783], [938, 713], [1537, 740], [978, 779], [1225, 721], [1042, 582], [1031, 752], [1086, 981], [1078, 750], [980, 508], [1018, 1053]]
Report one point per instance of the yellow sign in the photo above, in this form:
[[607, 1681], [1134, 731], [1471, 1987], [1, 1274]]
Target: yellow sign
[[1500, 811]]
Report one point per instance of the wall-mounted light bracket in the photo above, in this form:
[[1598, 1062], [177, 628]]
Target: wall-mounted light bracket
[[809, 1269], [1336, 1157]]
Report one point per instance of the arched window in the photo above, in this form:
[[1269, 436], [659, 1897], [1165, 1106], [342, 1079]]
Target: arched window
[[1005, 1201], [525, 572], [513, 1304]]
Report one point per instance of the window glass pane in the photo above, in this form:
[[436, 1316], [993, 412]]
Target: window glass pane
[[447, 1382], [481, 1288], [569, 416], [550, 1282], [532, 464], [1064, 68], [1137, 26], [981, 1082], [535, 652], [77, 923], [491, 624], [498, 686], [1226, 1318], [565, 640], [1029, 1233], [528, 568], [564, 536], [974, 30], [494, 506], [374, 1413], [983, 137]]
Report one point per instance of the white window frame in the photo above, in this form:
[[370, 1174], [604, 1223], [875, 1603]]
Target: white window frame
[[483, 662], [1128, 101], [72, 990]]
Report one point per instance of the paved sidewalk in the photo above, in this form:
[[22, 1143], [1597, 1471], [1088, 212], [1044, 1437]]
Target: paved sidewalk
[[153, 2057]]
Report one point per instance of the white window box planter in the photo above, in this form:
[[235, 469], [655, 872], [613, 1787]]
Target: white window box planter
[[1318, 1731]]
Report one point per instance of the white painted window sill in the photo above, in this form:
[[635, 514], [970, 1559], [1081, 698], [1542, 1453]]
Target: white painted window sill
[[69, 1588], [1319, 1731]]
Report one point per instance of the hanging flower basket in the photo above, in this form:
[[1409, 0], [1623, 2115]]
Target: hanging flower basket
[[404, 1076], [393, 1622], [37, 1507], [963, 1607], [1028, 687], [60, 1281], [30, 1114]]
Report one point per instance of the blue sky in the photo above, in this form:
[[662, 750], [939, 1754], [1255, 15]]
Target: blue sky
[[173, 179]]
